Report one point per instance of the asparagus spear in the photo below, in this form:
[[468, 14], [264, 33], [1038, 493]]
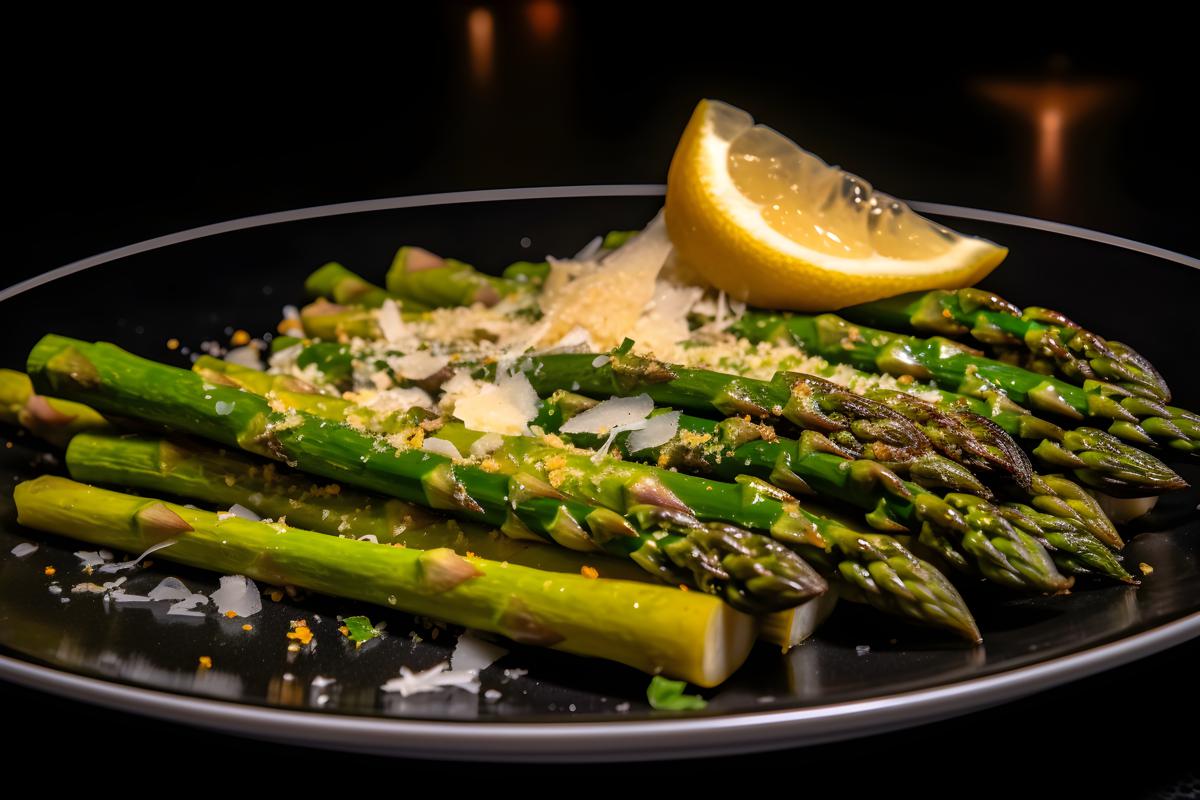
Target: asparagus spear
[[332, 322], [212, 475], [49, 418], [957, 368], [1095, 458], [750, 571], [1052, 341], [952, 525], [652, 628], [428, 279], [754, 504], [335, 282]]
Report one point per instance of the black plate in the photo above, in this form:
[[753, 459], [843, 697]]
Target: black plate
[[861, 674]]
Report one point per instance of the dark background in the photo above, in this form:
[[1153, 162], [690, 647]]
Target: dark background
[[111, 140]]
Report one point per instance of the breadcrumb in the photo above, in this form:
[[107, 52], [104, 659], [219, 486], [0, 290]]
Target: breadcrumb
[[589, 572], [205, 662], [1145, 568]]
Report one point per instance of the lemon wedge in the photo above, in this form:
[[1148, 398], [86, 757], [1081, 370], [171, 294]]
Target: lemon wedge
[[773, 225]]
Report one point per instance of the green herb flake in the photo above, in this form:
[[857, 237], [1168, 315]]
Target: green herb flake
[[359, 630], [667, 695]]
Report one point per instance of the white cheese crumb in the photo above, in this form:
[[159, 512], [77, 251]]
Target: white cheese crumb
[[24, 549], [442, 447], [431, 680], [237, 594]]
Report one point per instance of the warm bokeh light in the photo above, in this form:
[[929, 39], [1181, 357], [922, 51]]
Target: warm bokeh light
[[481, 43], [545, 19], [1053, 109]]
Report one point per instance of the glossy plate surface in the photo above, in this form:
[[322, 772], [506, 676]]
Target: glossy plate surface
[[859, 675]]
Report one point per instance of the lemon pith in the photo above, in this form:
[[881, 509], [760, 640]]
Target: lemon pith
[[774, 226]]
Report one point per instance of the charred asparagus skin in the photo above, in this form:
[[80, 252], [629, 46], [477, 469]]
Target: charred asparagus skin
[[1051, 342], [1095, 458], [957, 368], [652, 628], [750, 571]]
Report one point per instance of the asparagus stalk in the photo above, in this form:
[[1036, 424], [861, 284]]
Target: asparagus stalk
[[223, 478], [212, 475], [48, 418], [1052, 342], [332, 322], [957, 368], [750, 571], [1095, 458], [753, 504], [961, 528], [335, 282], [425, 278], [860, 426], [652, 628]]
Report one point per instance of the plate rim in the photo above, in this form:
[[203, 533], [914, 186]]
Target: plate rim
[[641, 739]]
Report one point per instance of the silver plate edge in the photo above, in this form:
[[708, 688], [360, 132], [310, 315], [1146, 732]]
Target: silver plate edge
[[591, 741]]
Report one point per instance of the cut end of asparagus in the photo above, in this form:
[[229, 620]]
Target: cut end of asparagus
[[793, 626]]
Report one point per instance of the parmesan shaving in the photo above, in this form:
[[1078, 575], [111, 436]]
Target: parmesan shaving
[[657, 431], [237, 596], [24, 549], [245, 356], [474, 654], [505, 407], [605, 298], [612, 413], [417, 366], [391, 324], [432, 680], [442, 447], [121, 565]]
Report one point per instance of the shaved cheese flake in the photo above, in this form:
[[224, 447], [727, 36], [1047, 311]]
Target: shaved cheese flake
[[486, 444], [174, 589], [475, 654], [417, 366], [614, 412], [606, 298], [393, 401], [93, 558], [505, 407], [442, 447], [237, 594], [391, 324], [24, 549], [245, 356], [590, 250], [431, 680], [658, 431], [120, 565]]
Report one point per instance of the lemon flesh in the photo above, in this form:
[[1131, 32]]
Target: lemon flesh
[[773, 225]]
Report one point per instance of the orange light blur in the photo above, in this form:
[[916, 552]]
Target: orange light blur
[[1053, 108], [545, 19], [481, 43]]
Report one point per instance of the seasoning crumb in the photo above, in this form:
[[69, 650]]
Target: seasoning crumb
[[300, 632], [276, 595], [231, 614], [172, 344], [589, 572], [240, 338], [1145, 568], [247, 627], [49, 570], [205, 662]]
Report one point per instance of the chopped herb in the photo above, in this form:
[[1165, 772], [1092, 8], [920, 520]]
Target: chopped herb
[[667, 695], [359, 629]]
